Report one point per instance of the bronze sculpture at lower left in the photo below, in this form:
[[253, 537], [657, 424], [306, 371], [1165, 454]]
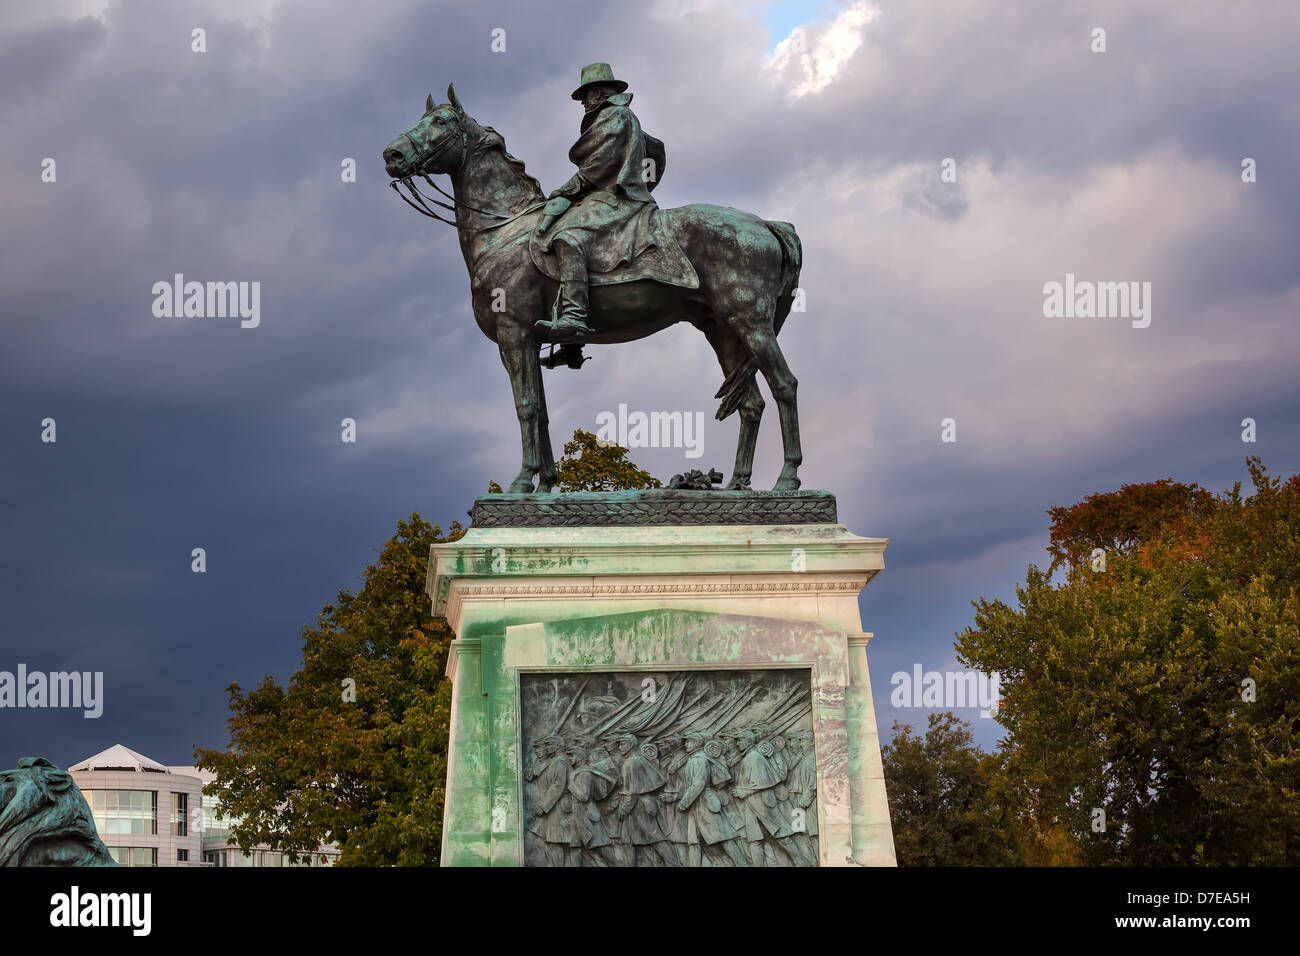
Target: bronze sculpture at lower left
[[44, 819]]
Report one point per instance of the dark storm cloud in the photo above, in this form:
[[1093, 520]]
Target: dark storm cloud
[[924, 298]]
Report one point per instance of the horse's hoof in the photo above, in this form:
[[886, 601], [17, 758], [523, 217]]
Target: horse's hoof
[[521, 486], [786, 484], [738, 483]]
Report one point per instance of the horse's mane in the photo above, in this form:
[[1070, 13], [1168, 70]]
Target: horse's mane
[[491, 139]]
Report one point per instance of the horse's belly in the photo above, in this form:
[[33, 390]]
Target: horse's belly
[[632, 310], [629, 333]]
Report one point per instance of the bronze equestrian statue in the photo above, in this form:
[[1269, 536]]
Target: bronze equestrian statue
[[44, 819], [598, 262]]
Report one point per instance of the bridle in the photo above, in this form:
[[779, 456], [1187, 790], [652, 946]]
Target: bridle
[[421, 201]]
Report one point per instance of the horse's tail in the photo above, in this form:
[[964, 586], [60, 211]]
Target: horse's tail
[[791, 263], [736, 386]]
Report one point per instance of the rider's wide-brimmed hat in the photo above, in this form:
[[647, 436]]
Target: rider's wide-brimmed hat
[[597, 73]]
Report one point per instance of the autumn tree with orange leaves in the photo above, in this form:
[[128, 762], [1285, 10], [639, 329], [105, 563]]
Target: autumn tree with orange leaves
[[1152, 700]]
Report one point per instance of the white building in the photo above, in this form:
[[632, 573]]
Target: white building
[[148, 814]]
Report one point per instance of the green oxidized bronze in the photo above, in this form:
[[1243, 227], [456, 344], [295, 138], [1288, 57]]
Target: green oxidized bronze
[[669, 769], [44, 820], [599, 262]]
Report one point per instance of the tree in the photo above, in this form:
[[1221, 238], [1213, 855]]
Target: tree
[[1119, 520], [354, 750], [592, 465], [939, 791], [1153, 708]]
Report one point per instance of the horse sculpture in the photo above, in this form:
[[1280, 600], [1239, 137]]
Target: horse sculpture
[[44, 819], [748, 271]]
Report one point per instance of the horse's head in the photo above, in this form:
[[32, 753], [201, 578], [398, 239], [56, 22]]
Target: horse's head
[[438, 143]]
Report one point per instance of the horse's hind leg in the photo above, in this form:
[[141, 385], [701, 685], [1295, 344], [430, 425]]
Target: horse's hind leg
[[761, 341], [519, 356], [731, 353], [751, 413]]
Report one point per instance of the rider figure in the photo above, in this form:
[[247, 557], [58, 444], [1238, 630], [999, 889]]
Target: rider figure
[[598, 208]]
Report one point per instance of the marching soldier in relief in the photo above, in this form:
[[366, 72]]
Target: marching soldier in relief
[[588, 785], [803, 779], [709, 834], [555, 807], [642, 831]]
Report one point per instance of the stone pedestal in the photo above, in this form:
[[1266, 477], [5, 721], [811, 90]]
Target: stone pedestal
[[641, 619]]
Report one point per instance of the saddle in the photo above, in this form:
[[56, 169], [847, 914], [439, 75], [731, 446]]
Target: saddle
[[657, 256]]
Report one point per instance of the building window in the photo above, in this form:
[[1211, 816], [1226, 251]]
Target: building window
[[134, 855], [214, 827], [118, 812], [182, 856], [180, 809]]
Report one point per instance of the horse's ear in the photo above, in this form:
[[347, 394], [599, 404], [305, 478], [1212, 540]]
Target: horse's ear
[[428, 104], [451, 98]]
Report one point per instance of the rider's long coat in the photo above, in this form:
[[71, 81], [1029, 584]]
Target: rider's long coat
[[610, 217]]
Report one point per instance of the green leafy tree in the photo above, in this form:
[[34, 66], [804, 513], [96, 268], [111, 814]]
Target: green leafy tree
[[941, 802], [1153, 708], [353, 750], [590, 465]]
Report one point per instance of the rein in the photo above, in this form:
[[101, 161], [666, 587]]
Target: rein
[[421, 201], [420, 205]]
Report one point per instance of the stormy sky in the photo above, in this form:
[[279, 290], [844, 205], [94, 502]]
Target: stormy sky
[[924, 297]]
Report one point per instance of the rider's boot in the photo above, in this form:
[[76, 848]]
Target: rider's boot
[[569, 316]]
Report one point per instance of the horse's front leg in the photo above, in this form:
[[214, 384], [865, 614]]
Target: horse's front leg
[[519, 356], [549, 475]]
